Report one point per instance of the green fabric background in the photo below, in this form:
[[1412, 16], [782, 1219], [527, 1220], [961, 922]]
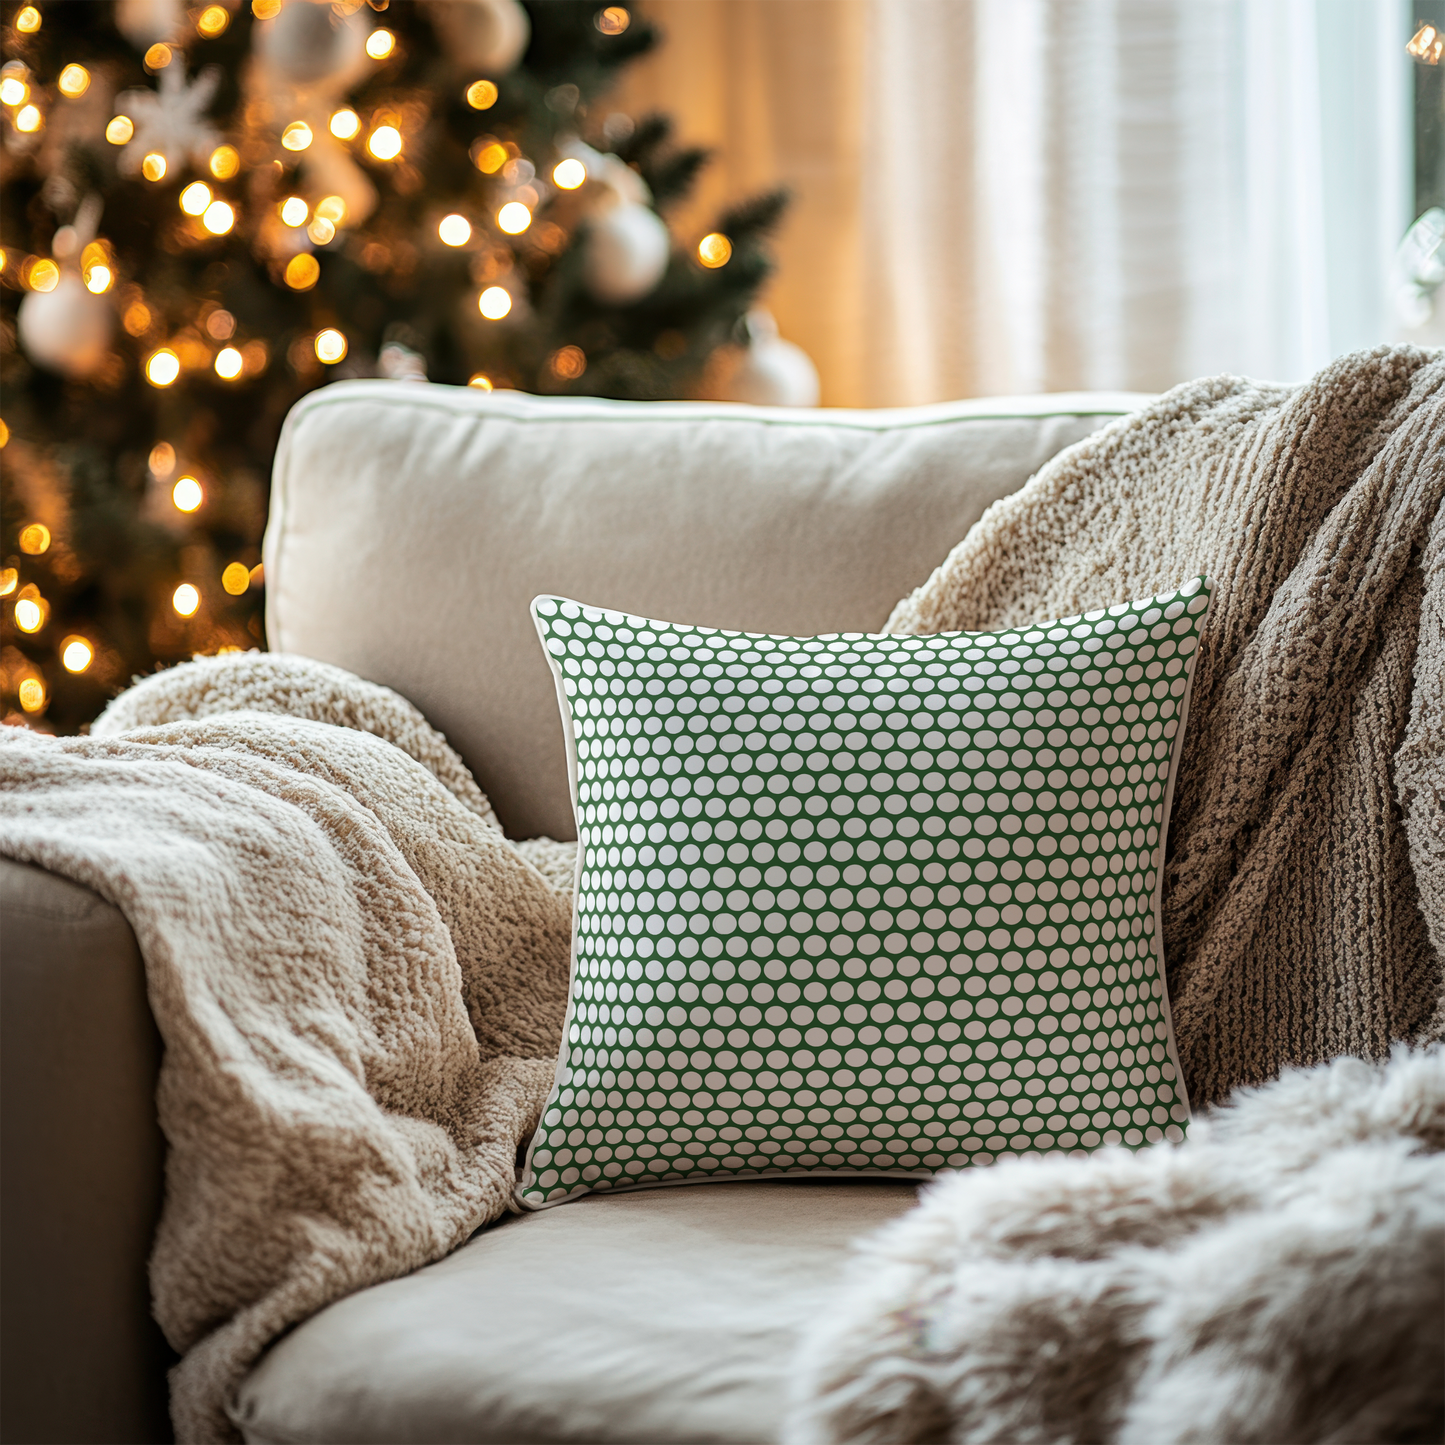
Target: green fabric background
[[863, 904]]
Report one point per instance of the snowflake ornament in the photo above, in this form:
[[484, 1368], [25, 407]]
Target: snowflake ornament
[[170, 121]]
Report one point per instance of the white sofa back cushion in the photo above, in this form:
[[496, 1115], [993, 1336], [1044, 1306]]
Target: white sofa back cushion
[[411, 525]]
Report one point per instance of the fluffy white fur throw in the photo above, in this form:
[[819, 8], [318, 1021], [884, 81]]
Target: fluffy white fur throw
[[1278, 1277], [360, 984]]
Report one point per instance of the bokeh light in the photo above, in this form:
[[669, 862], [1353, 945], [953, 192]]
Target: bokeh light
[[185, 599], [495, 302]]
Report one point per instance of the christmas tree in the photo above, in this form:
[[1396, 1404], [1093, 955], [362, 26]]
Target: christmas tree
[[209, 210]]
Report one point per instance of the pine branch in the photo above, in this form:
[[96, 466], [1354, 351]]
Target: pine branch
[[749, 221], [652, 132], [672, 177]]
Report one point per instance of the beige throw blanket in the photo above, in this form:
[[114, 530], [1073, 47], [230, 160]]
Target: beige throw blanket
[[359, 982], [1304, 892]]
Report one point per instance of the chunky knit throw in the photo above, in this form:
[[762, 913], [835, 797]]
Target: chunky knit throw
[[1304, 893], [1278, 1276]]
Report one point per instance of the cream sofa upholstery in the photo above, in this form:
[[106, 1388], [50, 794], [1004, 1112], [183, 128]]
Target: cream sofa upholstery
[[411, 525]]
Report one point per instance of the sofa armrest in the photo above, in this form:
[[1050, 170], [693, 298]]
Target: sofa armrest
[[80, 1357]]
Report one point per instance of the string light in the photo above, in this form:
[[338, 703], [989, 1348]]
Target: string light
[[294, 211], [74, 81], [153, 167], [481, 95], [330, 346], [480, 380], [163, 367], [514, 218], [31, 611], [98, 280], [495, 302], [162, 459], [157, 57], [714, 250], [187, 494], [120, 130], [137, 318], [213, 20], [297, 136], [265, 9], [568, 363], [229, 363], [31, 693], [76, 654], [384, 143], [35, 539], [345, 123], [44, 275], [258, 575], [613, 20], [1427, 44], [303, 271], [219, 218], [455, 230], [27, 22], [321, 231], [195, 198], [380, 43], [29, 119], [4, 441], [225, 162], [236, 578], [185, 599], [491, 158], [9, 580], [13, 90], [569, 174]]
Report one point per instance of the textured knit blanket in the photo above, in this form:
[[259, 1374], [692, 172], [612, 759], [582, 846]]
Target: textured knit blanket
[[1281, 1276], [1304, 884], [360, 984]]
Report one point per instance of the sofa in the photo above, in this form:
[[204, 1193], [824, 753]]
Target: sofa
[[410, 526]]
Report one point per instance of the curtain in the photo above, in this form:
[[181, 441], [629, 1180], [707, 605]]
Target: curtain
[[1002, 196]]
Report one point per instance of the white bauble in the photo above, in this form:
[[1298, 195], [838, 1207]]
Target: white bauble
[[145, 22], [627, 251], [66, 330], [773, 372], [308, 44], [489, 36]]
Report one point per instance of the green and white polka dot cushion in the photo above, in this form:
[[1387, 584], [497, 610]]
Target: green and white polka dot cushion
[[858, 905]]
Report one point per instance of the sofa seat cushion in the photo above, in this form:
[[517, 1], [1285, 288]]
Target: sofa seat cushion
[[662, 1317]]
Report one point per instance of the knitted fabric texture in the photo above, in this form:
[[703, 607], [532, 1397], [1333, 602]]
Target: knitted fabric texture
[[358, 980], [1304, 891]]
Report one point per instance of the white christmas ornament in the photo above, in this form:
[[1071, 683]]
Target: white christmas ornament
[[627, 250], [66, 330], [628, 243], [145, 22], [773, 372], [170, 120], [309, 44], [489, 36]]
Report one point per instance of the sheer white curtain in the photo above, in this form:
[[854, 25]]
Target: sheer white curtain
[[1025, 195]]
